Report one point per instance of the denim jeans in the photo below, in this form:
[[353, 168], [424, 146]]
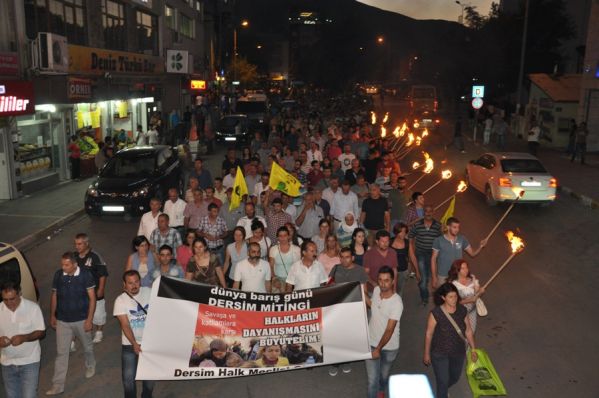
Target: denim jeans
[[378, 371], [129, 364], [401, 280], [448, 369], [424, 265], [20, 381]]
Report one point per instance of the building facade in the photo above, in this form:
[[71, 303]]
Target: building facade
[[107, 66]]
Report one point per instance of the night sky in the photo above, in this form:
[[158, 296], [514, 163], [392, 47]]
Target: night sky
[[429, 9]]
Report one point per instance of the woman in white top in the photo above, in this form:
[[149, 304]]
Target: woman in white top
[[235, 252], [468, 288], [281, 257], [259, 238]]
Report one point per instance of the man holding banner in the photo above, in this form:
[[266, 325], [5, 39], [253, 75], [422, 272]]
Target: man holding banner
[[386, 306], [131, 309]]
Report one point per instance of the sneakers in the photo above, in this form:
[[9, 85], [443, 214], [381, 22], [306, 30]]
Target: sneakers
[[412, 275], [346, 368], [98, 337], [333, 370], [73, 346], [55, 391], [90, 372]]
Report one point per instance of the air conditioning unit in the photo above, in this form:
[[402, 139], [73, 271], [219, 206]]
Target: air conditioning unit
[[51, 53]]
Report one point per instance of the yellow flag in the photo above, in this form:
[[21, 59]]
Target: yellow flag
[[283, 181], [448, 212], [240, 188]]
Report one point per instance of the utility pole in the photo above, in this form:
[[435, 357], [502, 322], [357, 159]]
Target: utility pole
[[522, 56]]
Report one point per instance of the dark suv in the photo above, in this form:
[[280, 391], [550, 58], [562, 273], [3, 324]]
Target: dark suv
[[131, 178]]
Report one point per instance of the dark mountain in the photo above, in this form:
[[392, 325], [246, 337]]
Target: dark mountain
[[346, 49]]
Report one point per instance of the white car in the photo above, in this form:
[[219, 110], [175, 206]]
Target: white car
[[501, 176]]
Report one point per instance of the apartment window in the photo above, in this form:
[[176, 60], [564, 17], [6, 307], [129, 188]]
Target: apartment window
[[113, 22], [63, 17], [147, 32], [170, 17], [187, 27]]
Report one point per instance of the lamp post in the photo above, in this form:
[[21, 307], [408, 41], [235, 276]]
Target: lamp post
[[463, 5], [244, 24], [522, 56]]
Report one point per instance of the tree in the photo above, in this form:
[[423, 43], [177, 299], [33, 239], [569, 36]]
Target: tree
[[473, 18], [241, 70]]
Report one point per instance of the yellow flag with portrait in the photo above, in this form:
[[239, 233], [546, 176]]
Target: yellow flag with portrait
[[281, 180], [240, 188]]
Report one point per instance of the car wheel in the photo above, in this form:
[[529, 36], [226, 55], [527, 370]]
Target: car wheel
[[489, 196]]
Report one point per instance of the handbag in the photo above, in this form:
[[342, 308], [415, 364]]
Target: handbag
[[481, 308]]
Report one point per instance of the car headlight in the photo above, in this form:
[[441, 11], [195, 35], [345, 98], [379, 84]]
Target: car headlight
[[140, 193], [92, 191]]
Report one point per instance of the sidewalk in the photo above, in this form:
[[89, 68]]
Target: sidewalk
[[579, 181], [33, 217]]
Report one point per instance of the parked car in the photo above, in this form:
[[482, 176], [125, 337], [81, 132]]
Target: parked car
[[14, 266], [131, 178], [233, 129], [501, 176]]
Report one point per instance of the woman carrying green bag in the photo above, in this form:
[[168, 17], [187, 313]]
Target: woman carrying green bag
[[447, 333]]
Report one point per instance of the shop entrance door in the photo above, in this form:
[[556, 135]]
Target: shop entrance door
[[7, 190]]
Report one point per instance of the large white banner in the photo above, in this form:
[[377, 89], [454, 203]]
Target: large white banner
[[197, 331]]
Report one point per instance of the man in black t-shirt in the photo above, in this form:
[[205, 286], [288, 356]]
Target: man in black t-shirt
[[93, 262], [230, 162], [375, 213]]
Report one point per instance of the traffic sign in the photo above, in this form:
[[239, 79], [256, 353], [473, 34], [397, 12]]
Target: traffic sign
[[477, 103], [478, 91]]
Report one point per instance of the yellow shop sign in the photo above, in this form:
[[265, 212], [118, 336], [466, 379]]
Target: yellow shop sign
[[88, 60]]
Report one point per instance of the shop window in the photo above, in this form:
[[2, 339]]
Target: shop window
[[147, 33], [170, 17], [63, 17], [113, 22], [187, 27]]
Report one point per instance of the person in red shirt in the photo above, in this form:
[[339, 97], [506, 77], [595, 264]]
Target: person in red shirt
[[315, 174], [75, 158], [334, 150], [210, 198]]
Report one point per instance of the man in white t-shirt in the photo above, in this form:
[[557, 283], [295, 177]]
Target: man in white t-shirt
[[152, 136], [21, 328], [346, 158], [149, 221], [252, 273], [386, 309], [175, 208], [131, 309], [307, 273]]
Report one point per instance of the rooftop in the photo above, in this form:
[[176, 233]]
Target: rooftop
[[564, 88]]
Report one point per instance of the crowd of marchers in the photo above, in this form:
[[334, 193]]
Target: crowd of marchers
[[356, 221]]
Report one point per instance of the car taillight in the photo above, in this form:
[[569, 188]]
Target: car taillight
[[437, 121], [553, 183], [505, 182]]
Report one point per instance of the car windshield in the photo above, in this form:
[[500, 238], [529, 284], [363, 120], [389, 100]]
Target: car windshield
[[250, 107], [142, 165], [231, 121], [522, 166], [423, 92]]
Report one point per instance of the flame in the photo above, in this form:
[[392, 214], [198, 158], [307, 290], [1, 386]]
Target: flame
[[425, 133], [404, 127], [415, 165], [397, 132], [430, 165], [462, 186], [426, 155], [372, 117], [518, 191], [418, 141], [383, 131], [516, 242], [446, 174], [386, 117], [410, 139]]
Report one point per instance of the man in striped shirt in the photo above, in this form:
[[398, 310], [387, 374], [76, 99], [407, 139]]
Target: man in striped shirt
[[421, 236]]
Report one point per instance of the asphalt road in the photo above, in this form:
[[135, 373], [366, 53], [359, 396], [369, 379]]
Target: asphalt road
[[540, 332]]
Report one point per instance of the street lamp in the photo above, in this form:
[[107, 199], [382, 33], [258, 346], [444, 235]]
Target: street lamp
[[244, 24], [522, 56], [380, 40]]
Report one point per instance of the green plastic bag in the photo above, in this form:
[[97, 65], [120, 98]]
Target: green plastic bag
[[482, 377]]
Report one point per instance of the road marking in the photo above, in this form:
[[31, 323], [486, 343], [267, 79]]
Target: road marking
[[26, 215]]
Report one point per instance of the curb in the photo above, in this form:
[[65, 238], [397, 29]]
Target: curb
[[583, 199], [30, 240]]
